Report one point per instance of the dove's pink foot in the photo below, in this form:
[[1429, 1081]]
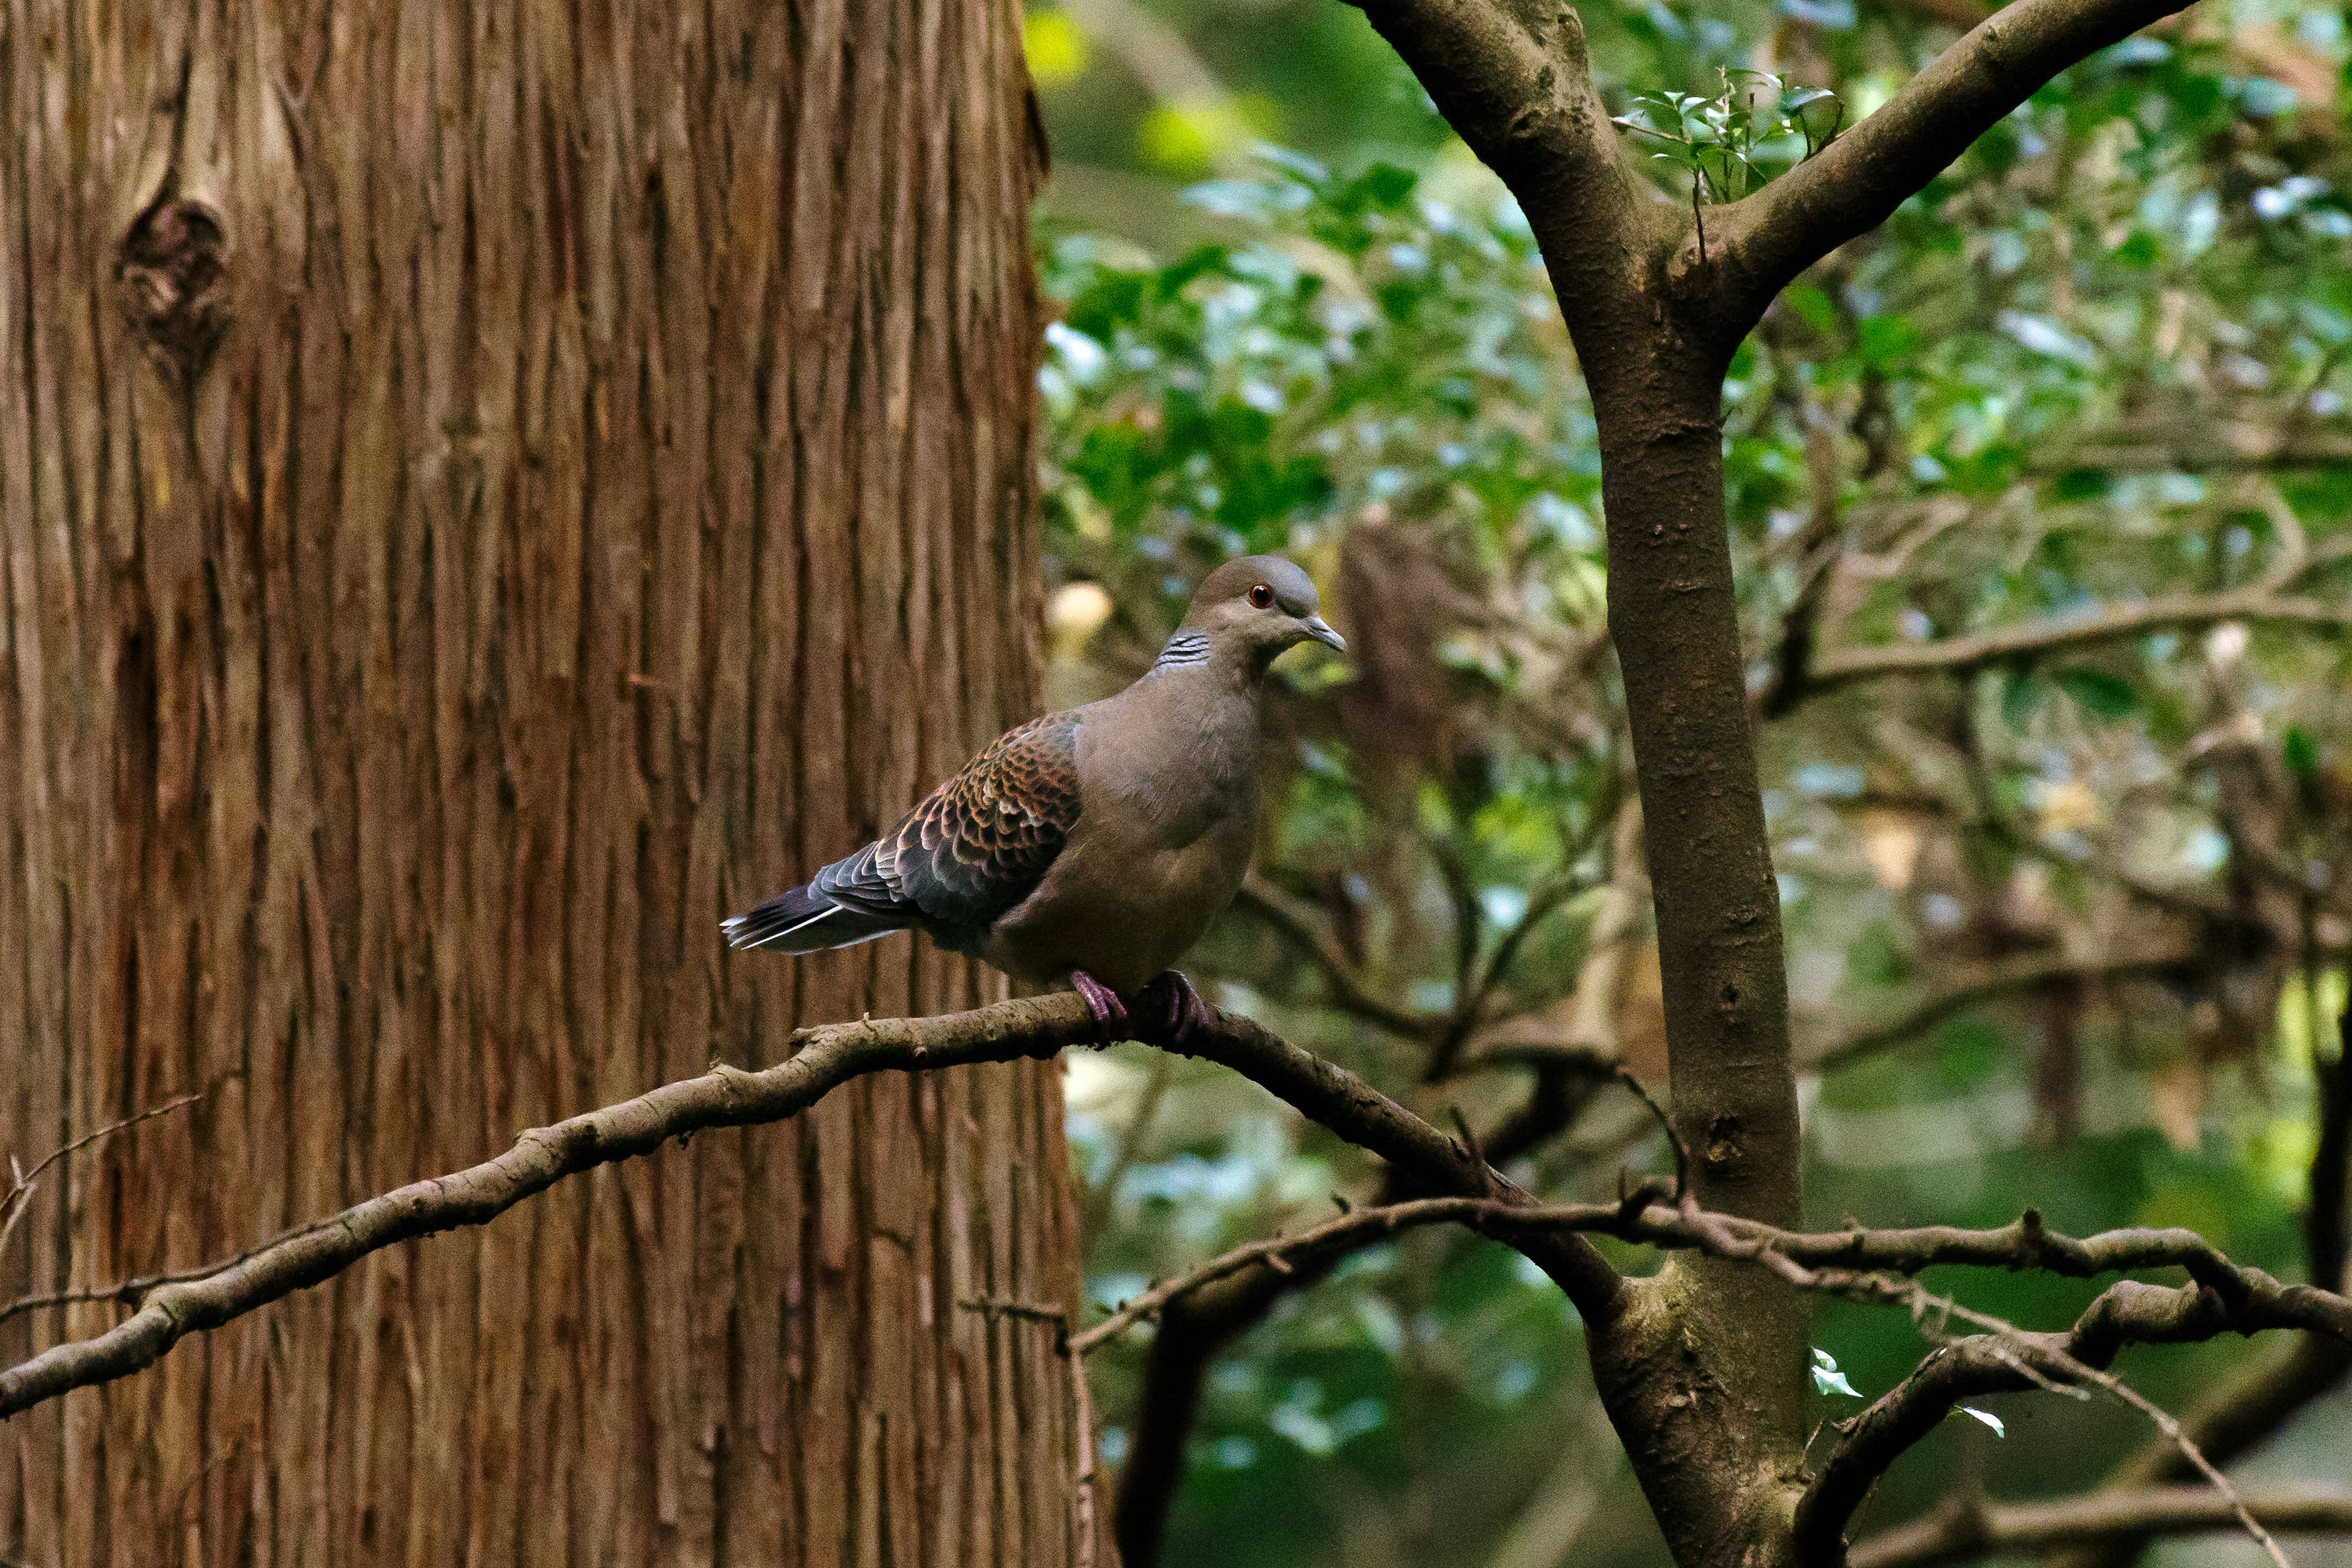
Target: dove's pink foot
[[1186, 1011], [1101, 1000]]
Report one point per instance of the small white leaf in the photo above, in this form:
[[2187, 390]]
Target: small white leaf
[[1827, 1378], [1987, 1418]]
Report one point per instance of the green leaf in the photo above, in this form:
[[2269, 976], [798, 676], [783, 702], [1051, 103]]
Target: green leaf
[[2081, 484], [1885, 339], [2302, 751], [2109, 696], [1384, 186], [1812, 308]]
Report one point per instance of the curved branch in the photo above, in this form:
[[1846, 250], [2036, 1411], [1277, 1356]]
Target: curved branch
[[1215, 1306], [2253, 1402], [1348, 991], [2020, 977], [1858, 181], [1963, 1530], [826, 1057], [2010, 1361], [2221, 1297], [1974, 651], [1841, 1261], [541, 1156], [1283, 1254]]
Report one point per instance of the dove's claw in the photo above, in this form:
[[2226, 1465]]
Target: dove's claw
[[1101, 1000], [1186, 1011]]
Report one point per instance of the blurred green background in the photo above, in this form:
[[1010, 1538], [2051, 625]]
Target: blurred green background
[[2067, 923]]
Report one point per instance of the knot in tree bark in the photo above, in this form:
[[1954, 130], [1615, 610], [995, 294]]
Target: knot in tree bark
[[169, 272]]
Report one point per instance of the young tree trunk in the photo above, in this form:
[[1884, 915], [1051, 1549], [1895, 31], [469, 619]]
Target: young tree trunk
[[485, 489], [1708, 1382]]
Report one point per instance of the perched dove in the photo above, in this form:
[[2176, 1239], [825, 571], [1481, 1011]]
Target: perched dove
[[1092, 847]]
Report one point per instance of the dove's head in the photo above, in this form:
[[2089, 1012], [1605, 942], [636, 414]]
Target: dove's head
[[1257, 606]]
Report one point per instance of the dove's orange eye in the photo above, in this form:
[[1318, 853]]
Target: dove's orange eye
[[1262, 596]]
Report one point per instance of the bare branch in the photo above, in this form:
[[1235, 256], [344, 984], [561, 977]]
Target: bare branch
[[728, 1096], [1974, 651], [19, 1196], [2252, 1402], [725, 1097], [2221, 1297], [1349, 1233], [1337, 1098], [2022, 977], [1214, 1308], [1348, 991], [1841, 1262], [1858, 180], [1966, 1528], [2196, 1457], [1863, 1265], [2009, 1360]]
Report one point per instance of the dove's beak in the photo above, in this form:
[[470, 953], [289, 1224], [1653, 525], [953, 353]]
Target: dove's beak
[[1321, 631]]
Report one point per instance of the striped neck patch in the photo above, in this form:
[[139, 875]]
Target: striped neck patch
[[1183, 650]]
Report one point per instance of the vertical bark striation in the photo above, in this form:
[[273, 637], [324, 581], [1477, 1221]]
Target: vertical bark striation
[[486, 487]]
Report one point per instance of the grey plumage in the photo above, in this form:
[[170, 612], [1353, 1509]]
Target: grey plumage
[[1093, 845]]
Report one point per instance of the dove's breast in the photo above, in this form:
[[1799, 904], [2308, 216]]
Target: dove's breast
[[1167, 823]]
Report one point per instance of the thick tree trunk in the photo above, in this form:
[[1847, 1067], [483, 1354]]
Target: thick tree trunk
[[486, 489]]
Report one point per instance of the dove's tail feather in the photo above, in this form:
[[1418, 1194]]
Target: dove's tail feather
[[804, 920]]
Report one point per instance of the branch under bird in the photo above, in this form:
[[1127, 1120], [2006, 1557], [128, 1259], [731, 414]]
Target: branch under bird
[[1090, 847]]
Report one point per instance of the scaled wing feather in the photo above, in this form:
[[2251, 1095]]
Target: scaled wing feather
[[977, 845]]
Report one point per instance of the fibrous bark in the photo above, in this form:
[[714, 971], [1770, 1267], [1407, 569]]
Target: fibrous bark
[[485, 490]]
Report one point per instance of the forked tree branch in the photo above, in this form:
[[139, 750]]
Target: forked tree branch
[[1512, 78], [1196, 1323], [2011, 1360], [1855, 183], [1872, 1267], [826, 1057], [1966, 1528]]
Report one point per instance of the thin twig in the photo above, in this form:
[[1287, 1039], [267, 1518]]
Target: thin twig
[[19, 1200], [2195, 1456], [1349, 1232], [1625, 1075], [2076, 1368]]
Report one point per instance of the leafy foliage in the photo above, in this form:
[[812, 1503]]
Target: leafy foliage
[[1724, 143], [2097, 364]]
